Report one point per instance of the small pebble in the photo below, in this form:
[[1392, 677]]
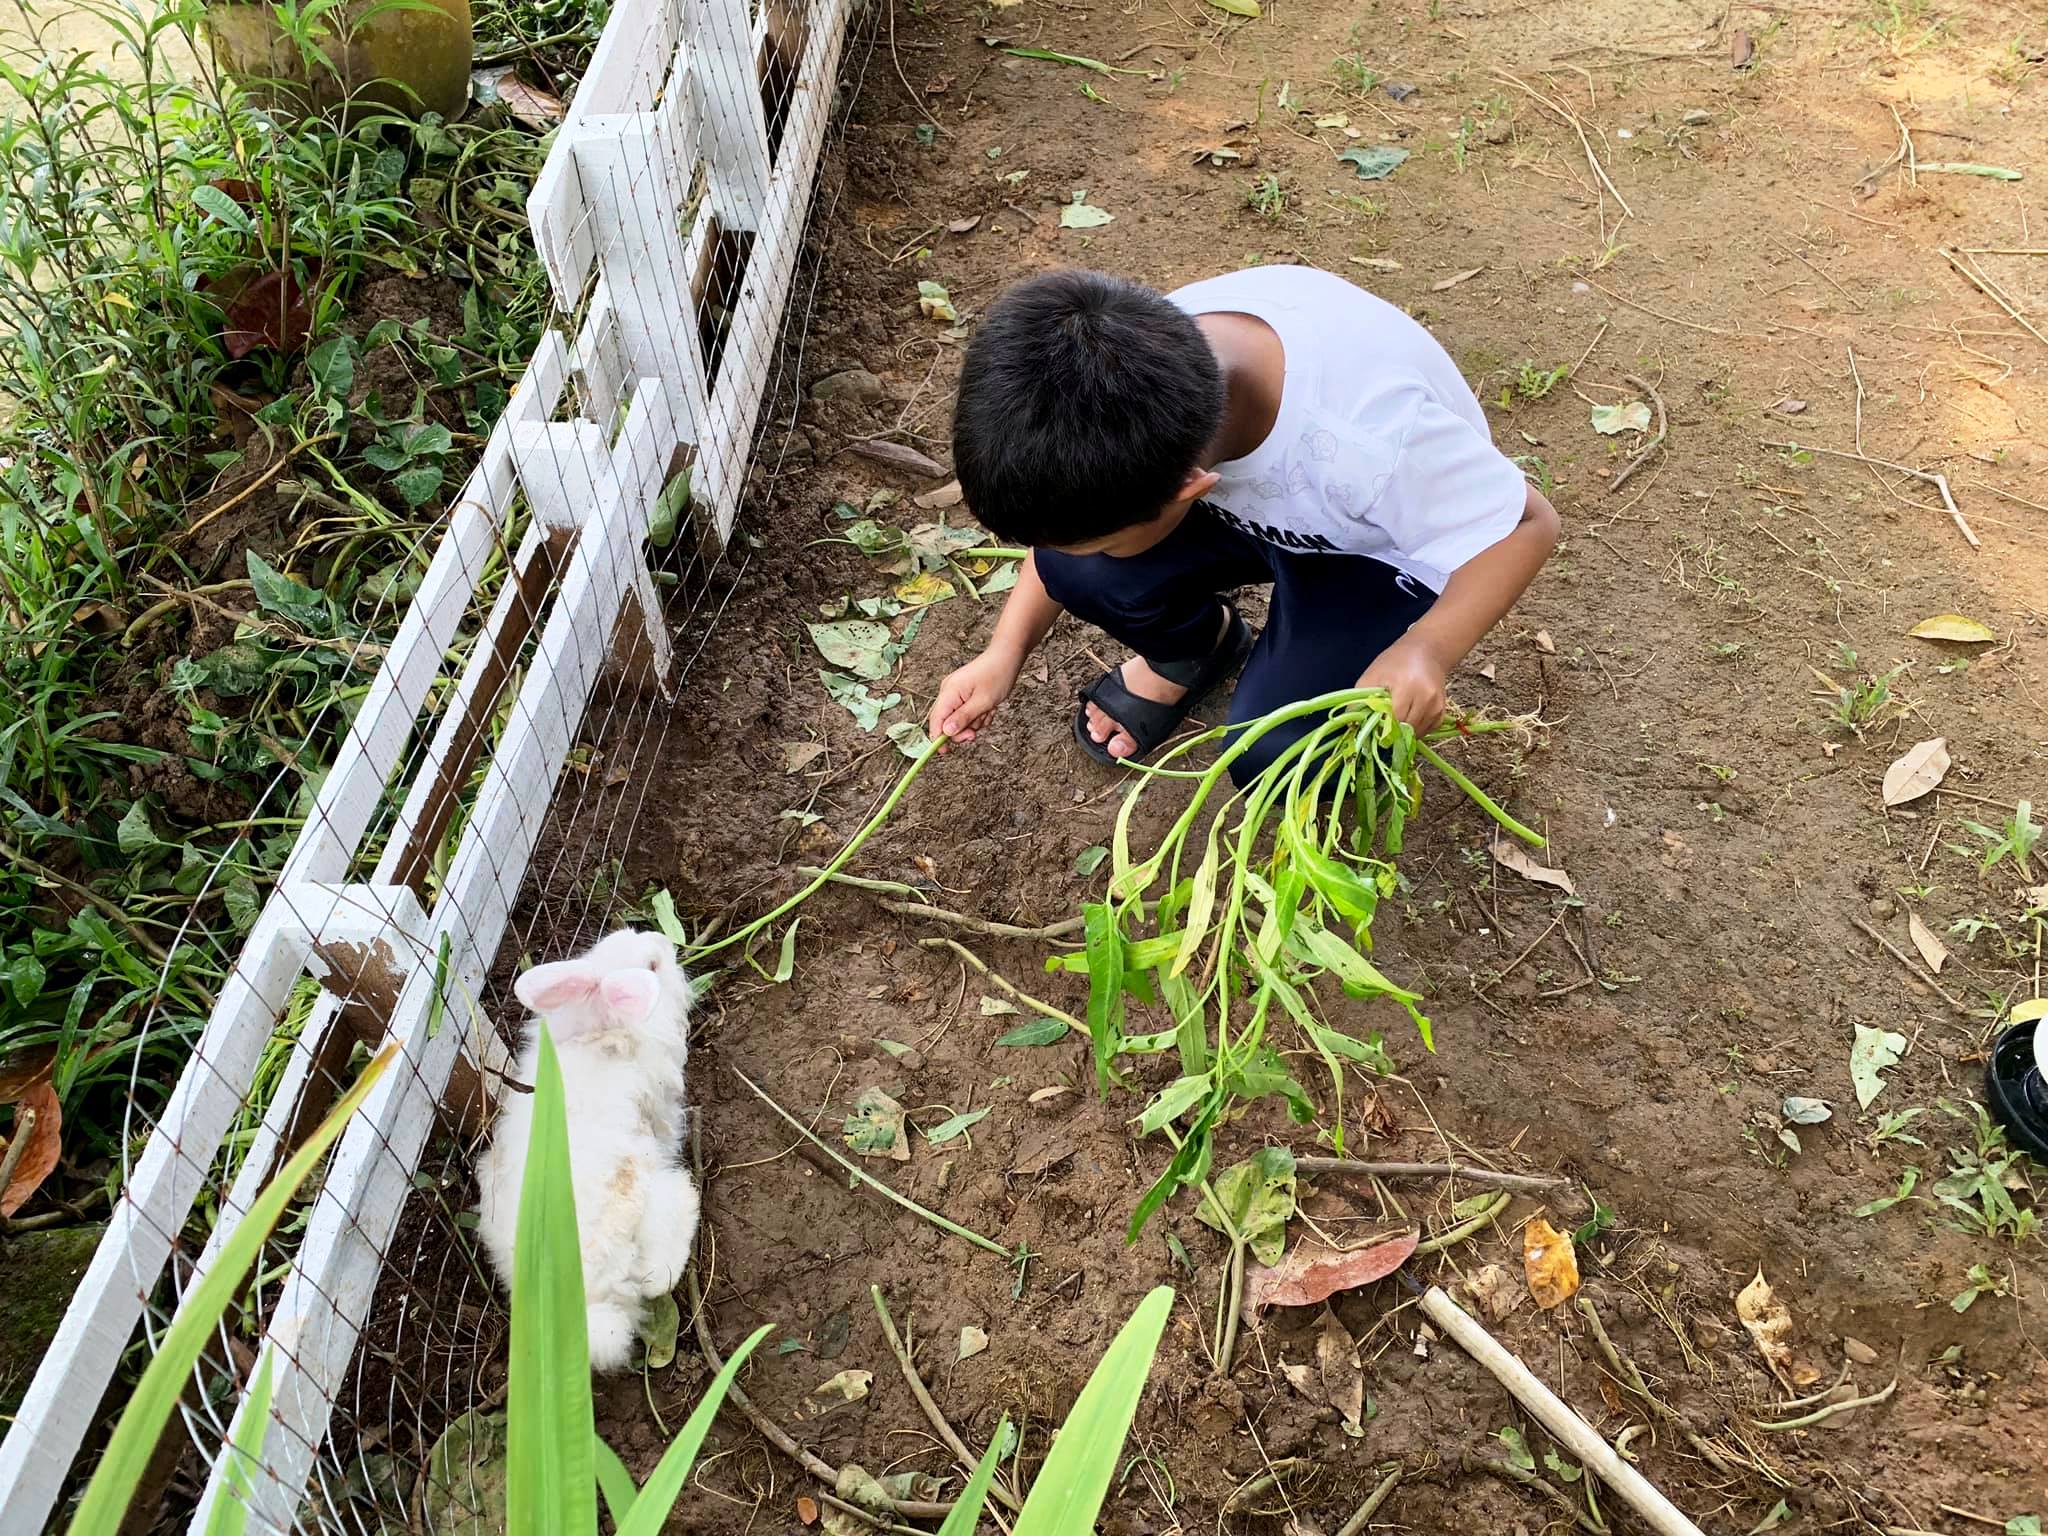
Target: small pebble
[[1859, 1351]]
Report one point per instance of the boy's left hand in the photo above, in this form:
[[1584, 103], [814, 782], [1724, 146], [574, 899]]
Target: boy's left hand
[[1415, 679]]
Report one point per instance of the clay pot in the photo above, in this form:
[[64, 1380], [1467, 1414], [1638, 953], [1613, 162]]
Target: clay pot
[[411, 58]]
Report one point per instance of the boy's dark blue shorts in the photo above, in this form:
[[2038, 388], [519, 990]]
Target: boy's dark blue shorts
[[1330, 615]]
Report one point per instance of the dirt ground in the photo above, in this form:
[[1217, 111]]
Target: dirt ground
[[1767, 264]]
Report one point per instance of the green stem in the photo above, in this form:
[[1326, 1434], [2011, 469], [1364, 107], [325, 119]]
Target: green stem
[[839, 861], [1465, 1228], [941, 1222], [1480, 797]]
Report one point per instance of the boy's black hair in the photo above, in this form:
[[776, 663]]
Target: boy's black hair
[[1084, 401]]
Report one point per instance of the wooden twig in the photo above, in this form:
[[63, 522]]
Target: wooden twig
[[1577, 124], [1658, 314], [1007, 985], [1899, 955], [1465, 1171], [1650, 448], [1930, 477], [968, 1460], [1558, 1417], [1819, 1415], [1817, 271], [17, 1147], [1991, 291], [1263, 1483], [1371, 1506]]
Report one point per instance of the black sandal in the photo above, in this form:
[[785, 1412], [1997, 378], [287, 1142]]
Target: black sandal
[[1146, 721]]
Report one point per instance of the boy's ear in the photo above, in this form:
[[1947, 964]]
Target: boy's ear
[[548, 987], [1199, 483], [631, 994]]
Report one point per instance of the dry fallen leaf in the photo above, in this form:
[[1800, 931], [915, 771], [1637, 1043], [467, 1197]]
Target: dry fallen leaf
[[1303, 1379], [1486, 671], [1495, 1291], [1830, 748], [1769, 1322], [1932, 950], [1549, 1263], [897, 456], [1343, 1378], [1048, 1094], [1953, 626], [1312, 1273], [1517, 858], [947, 495], [807, 1509], [1858, 1351], [1916, 771], [38, 1124], [1544, 643], [972, 1342], [1454, 279], [1377, 263], [799, 755]]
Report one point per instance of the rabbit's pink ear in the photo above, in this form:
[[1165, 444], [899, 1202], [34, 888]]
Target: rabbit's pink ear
[[548, 987], [631, 994]]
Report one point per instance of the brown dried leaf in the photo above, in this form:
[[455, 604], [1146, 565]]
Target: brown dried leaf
[[1932, 950], [37, 1108], [1769, 1322], [266, 310], [799, 755], [1454, 279], [1313, 1273], [1515, 857], [1495, 1291], [897, 456], [1343, 1377], [1544, 643], [1549, 1263], [1916, 771], [806, 1509], [540, 110], [947, 495]]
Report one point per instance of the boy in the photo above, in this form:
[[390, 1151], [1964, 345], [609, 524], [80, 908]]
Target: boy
[[1272, 425]]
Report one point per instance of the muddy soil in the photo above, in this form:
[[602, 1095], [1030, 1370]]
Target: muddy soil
[[1751, 247]]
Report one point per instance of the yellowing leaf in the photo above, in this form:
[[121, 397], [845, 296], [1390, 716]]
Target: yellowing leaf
[[1916, 771], [923, 589], [1611, 420], [875, 1128], [1770, 1323], [1550, 1264], [972, 1342], [1932, 950], [1874, 1050], [846, 1387], [934, 303], [1246, 8], [2028, 1012], [1952, 626], [1082, 215]]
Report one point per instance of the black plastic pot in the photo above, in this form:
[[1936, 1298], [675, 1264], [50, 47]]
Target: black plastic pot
[[2017, 1091]]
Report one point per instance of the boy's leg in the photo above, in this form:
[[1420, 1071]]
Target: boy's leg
[[1166, 604], [1331, 615]]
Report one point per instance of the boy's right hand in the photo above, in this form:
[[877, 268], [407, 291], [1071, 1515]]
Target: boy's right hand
[[971, 694]]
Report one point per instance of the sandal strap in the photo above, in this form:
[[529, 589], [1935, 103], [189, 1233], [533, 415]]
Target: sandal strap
[[1201, 670]]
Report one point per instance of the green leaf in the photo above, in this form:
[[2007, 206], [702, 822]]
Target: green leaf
[[852, 696], [966, 1511], [785, 963], [221, 208], [25, 975], [909, 737], [1602, 1219], [332, 367], [662, 907], [1874, 1050], [1317, 944], [1171, 1102], [1037, 1032], [1105, 955], [1248, 8], [132, 1447], [418, 484], [1068, 1491], [1779, 1513], [658, 1328], [1201, 901], [1518, 1448], [551, 1480], [1368, 1053], [860, 646], [1907, 1180], [1089, 860], [958, 1125], [1189, 1165], [875, 1127], [669, 508], [1630, 416], [245, 1454], [1373, 162], [934, 303], [614, 1482], [277, 593], [1564, 1471], [1257, 1200], [1052, 57], [134, 834], [1080, 215], [665, 1483], [2023, 1525]]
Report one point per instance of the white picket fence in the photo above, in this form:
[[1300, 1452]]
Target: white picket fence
[[682, 180]]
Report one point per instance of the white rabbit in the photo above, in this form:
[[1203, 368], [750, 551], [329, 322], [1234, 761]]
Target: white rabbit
[[619, 1016]]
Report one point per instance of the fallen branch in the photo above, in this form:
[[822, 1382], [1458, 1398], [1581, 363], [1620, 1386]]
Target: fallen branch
[[1991, 291], [861, 1174], [1926, 476], [1650, 448], [968, 1460], [1371, 1506], [1831, 1409], [1557, 1417], [1471, 1175], [1899, 955]]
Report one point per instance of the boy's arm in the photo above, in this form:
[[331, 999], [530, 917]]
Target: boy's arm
[[1416, 668], [970, 694]]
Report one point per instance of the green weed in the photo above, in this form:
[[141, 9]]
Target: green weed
[[1354, 75], [2015, 841], [1987, 1180], [1267, 197]]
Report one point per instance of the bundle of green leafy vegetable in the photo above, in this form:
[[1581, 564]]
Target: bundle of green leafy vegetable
[[1232, 933]]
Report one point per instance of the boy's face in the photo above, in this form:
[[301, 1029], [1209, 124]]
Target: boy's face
[[1139, 537]]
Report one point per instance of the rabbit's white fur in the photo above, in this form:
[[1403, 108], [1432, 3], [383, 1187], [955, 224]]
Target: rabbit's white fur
[[619, 1015]]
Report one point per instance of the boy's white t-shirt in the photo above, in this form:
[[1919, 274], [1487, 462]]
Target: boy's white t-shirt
[[1379, 448]]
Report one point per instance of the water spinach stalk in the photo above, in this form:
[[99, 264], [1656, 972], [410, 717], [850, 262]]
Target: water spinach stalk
[[1257, 895]]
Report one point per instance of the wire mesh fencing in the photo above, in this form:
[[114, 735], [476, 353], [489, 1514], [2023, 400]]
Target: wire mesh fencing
[[497, 762]]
